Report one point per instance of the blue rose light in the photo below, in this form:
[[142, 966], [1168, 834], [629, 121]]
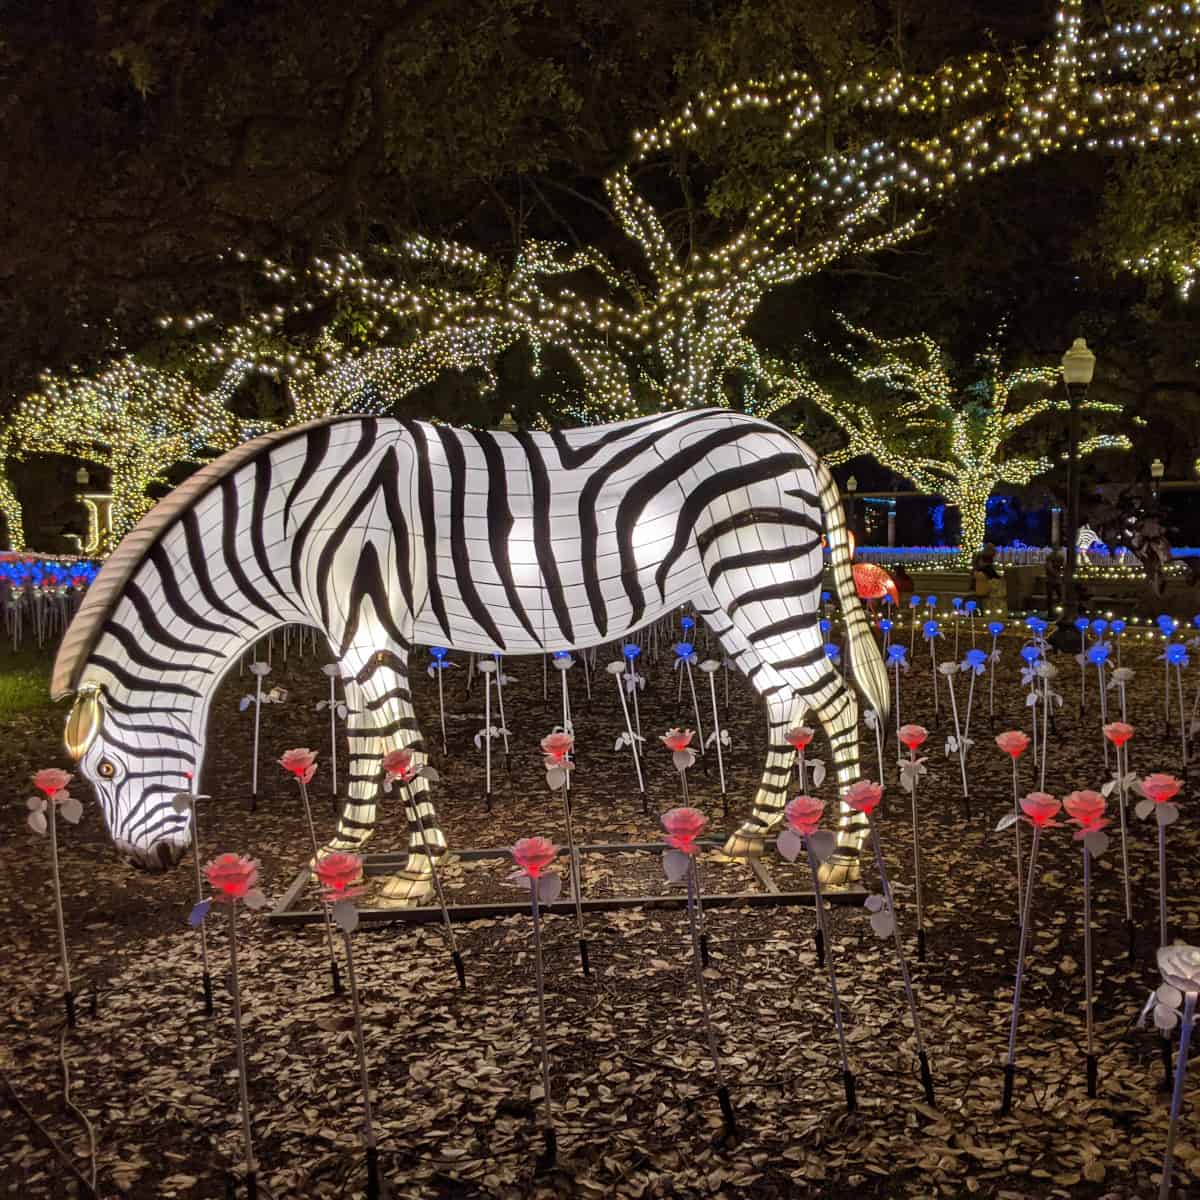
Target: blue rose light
[[825, 625], [885, 625], [688, 623], [1099, 625], [1082, 624], [1031, 654], [1098, 654], [995, 628], [684, 649], [957, 602], [1177, 654], [825, 597], [914, 601], [897, 654], [971, 606], [631, 651], [1166, 624], [832, 652], [1036, 625], [976, 661], [930, 630], [931, 601], [1118, 627]]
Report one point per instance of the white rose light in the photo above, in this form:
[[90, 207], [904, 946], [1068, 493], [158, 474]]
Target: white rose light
[[1180, 967]]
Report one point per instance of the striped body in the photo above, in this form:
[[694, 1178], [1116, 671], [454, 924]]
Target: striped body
[[386, 534]]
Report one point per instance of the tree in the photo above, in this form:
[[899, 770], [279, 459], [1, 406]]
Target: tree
[[135, 421], [903, 409]]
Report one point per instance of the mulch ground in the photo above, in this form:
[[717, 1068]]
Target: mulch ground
[[456, 1074]]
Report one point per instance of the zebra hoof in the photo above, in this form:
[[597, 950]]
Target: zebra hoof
[[403, 890], [744, 845], [839, 872]]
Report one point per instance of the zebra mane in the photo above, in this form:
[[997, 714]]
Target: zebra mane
[[105, 593]]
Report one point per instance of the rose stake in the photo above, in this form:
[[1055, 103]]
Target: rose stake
[[800, 738], [340, 875], [995, 628], [185, 802], [1177, 657], [437, 665], [914, 736], [864, 796], [803, 815], [1180, 967], [556, 749], [1098, 656], [1159, 792], [931, 631], [401, 766], [897, 660], [1015, 743], [302, 764], [1040, 809], [630, 652], [718, 736], [678, 741], [628, 738], [683, 825], [1086, 809], [52, 783], [532, 856], [1119, 734], [234, 877], [956, 744]]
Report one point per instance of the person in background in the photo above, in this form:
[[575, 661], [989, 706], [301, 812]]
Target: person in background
[[983, 571]]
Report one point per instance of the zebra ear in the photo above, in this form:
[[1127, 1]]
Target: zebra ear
[[84, 722]]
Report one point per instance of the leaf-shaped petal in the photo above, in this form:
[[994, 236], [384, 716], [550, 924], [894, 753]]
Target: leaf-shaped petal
[[255, 899], [883, 922], [1144, 808], [1096, 842], [1107, 789], [818, 772], [675, 865], [1168, 813], [1165, 1018], [345, 915], [431, 774], [71, 810], [789, 844], [822, 844], [549, 887], [874, 903], [199, 912], [37, 822], [1005, 821], [244, 703], [181, 802]]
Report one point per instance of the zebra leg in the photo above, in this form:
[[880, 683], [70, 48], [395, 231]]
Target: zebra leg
[[803, 680], [382, 720]]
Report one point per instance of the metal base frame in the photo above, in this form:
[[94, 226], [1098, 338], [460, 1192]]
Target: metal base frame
[[285, 912]]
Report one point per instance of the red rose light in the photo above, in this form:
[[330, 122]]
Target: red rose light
[[913, 736], [556, 747], [799, 738], [399, 764], [1086, 809], [50, 781], [683, 825], [804, 814], [534, 854], [1118, 732], [337, 872], [1014, 742], [864, 796], [301, 762], [231, 876], [677, 739], [1160, 788], [1040, 809]]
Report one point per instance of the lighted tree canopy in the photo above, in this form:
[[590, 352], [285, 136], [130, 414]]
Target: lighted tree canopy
[[898, 401], [743, 190]]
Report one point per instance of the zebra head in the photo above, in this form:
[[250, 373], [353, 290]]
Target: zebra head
[[136, 770]]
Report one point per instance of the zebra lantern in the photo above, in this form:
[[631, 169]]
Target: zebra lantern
[[386, 534]]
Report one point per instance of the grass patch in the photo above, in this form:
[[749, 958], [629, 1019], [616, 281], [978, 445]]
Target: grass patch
[[25, 680]]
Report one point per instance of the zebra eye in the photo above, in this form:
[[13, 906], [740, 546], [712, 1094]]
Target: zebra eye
[[105, 769]]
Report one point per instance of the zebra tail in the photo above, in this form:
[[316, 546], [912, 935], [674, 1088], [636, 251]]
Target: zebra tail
[[866, 663]]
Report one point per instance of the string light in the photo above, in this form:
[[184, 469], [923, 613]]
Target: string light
[[947, 443]]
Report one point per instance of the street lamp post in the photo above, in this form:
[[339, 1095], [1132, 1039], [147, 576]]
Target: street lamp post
[[1157, 471], [1078, 365], [852, 515]]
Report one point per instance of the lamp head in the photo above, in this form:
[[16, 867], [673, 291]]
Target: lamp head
[[1078, 364]]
